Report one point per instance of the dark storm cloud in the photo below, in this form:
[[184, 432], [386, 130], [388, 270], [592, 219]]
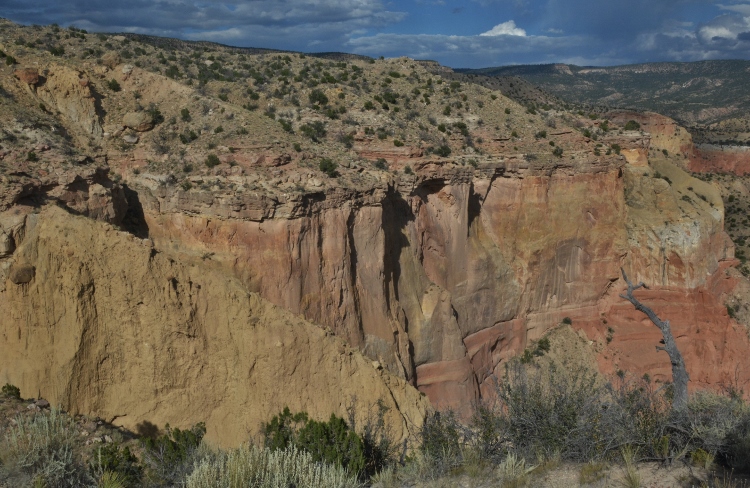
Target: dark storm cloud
[[285, 23], [494, 32]]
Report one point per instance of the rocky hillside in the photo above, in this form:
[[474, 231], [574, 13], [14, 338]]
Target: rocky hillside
[[693, 93], [192, 224]]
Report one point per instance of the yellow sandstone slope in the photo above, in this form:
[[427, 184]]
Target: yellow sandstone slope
[[100, 322]]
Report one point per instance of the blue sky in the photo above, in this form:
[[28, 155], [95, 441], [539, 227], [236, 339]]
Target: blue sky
[[469, 33]]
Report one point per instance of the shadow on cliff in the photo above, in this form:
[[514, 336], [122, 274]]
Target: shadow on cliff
[[134, 221], [397, 214]]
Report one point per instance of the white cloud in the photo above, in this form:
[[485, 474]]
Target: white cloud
[[505, 29], [723, 27], [743, 8]]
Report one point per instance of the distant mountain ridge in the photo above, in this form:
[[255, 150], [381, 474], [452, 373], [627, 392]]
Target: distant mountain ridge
[[693, 93]]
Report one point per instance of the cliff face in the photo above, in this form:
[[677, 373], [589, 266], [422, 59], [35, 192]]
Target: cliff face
[[460, 229], [443, 276], [99, 321]]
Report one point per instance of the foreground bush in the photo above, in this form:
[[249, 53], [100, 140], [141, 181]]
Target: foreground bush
[[171, 456], [39, 450], [329, 442], [564, 413], [264, 468]]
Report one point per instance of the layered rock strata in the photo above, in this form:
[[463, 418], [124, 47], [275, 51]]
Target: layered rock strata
[[445, 275]]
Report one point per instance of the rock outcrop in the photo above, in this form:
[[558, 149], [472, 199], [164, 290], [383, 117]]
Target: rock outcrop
[[76, 102], [104, 322], [716, 158], [30, 76], [665, 133], [85, 191], [138, 121], [445, 278]]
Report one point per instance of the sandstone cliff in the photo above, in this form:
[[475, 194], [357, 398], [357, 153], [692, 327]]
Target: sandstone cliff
[[444, 276], [97, 320]]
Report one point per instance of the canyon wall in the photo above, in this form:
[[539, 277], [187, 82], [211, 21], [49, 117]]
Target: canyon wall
[[443, 276], [101, 322], [714, 158]]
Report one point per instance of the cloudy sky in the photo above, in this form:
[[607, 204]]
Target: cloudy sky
[[469, 33]]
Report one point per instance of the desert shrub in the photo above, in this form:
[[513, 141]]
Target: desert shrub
[[212, 160], [381, 163], [315, 130], [169, 457], [155, 114], [440, 436], [544, 407], [39, 450], [113, 85], [11, 391], [185, 115], [119, 461], [717, 424], [632, 125], [346, 139], [443, 151], [318, 97], [328, 167], [286, 125], [332, 442], [267, 468]]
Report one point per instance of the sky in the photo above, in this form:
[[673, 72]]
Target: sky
[[459, 34]]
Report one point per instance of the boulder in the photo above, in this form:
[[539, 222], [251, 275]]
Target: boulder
[[111, 59], [138, 121], [22, 273]]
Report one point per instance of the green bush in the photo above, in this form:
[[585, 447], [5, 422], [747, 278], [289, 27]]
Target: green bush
[[331, 442], [632, 125], [315, 131], [317, 97], [11, 391], [328, 167], [155, 114], [114, 85], [440, 435], [443, 151], [111, 458], [170, 456], [185, 115], [212, 160]]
